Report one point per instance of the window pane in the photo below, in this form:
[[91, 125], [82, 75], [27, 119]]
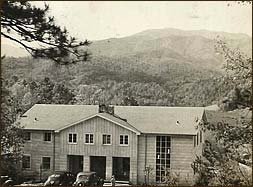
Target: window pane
[[194, 141], [108, 139], [27, 136], [74, 138], [168, 144], [70, 137], [104, 139], [91, 138], [200, 136], [46, 162], [163, 138], [157, 167], [86, 138], [121, 139], [126, 139], [26, 162], [197, 138], [157, 138], [163, 144], [158, 178], [47, 136], [163, 176]]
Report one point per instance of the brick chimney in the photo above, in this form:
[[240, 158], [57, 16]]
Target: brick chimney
[[106, 109]]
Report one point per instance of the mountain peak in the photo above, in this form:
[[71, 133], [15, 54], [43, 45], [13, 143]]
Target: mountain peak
[[165, 32]]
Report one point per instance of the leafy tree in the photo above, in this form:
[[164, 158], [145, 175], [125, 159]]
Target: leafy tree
[[237, 64], [227, 146], [223, 155], [38, 33], [47, 92], [15, 101], [62, 95], [129, 101], [11, 139], [30, 26]]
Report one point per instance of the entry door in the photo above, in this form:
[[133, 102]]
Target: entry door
[[98, 164], [75, 163], [121, 168]]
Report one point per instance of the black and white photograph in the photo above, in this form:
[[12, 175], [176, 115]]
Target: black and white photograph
[[126, 93]]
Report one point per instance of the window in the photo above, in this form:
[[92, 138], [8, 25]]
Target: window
[[89, 139], [194, 168], [197, 139], [47, 137], [45, 162], [200, 136], [27, 136], [163, 150], [106, 139], [26, 162], [194, 141], [123, 140], [73, 138]]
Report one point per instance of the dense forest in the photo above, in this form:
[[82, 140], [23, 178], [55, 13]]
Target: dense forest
[[101, 81], [155, 67]]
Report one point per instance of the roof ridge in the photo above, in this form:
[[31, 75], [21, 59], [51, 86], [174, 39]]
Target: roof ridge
[[117, 106]]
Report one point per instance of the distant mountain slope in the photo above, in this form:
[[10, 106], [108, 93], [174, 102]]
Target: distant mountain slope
[[194, 47], [167, 67]]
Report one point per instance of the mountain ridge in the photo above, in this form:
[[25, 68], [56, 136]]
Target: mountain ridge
[[146, 35]]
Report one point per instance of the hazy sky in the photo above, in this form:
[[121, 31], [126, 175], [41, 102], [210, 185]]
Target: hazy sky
[[96, 20]]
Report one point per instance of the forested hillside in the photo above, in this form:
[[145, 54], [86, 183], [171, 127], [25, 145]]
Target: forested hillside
[[157, 67]]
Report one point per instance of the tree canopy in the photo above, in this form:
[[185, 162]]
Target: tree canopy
[[227, 149], [38, 33]]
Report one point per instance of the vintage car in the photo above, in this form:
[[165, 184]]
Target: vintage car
[[88, 179], [6, 181], [60, 178]]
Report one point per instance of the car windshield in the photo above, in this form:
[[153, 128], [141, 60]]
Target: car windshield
[[83, 177]]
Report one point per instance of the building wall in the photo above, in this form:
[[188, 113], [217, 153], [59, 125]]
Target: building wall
[[141, 150], [98, 127], [181, 158], [37, 148], [150, 161]]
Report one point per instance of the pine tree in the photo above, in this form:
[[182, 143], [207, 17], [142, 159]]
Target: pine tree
[[30, 26]]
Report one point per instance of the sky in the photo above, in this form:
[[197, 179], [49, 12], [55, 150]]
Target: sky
[[97, 20]]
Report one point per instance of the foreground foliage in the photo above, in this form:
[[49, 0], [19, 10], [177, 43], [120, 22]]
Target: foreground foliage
[[226, 158], [35, 31]]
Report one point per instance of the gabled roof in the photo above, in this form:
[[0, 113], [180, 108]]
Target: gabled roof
[[107, 117], [52, 117], [144, 119], [162, 120]]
